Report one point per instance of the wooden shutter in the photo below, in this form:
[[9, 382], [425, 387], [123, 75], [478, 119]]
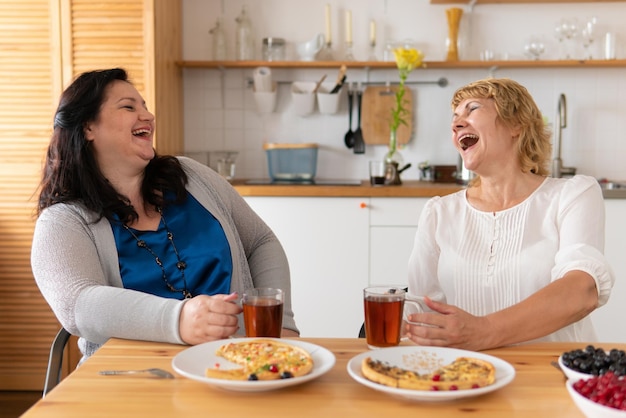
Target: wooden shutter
[[123, 33], [44, 44], [107, 34], [29, 87]]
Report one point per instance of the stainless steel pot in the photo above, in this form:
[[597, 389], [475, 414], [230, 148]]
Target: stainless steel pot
[[463, 175]]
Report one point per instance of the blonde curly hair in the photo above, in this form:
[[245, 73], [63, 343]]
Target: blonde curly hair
[[515, 108]]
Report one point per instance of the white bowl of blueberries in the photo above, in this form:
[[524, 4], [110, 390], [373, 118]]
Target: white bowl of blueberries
[[596, 381], [592, 361]]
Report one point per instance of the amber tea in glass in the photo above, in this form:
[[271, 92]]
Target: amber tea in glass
[[263, 312], [384, 308]]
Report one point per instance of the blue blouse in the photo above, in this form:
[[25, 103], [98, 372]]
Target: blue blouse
[[200, 242]]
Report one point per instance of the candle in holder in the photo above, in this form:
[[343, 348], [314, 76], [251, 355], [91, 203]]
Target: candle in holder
[[349, 26], [328, 35], [372, 48]]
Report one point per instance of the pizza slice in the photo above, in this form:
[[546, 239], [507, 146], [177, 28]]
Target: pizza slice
[[262, 359], [462, 373]]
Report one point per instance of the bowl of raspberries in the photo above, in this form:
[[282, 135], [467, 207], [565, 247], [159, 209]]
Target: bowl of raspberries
[[596, 381], [601, 396]]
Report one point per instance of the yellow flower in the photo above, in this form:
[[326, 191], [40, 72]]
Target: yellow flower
[[407, 59]]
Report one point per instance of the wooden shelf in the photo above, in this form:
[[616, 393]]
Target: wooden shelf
[[286, 64], [522, 1], [528, 64], [387, 64]]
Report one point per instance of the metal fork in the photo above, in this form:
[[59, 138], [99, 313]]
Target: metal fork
[[160, 373]]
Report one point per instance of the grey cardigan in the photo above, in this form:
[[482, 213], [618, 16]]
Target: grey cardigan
[[75, 264]]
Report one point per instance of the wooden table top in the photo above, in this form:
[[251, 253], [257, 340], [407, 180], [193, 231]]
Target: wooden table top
[[538, 389]]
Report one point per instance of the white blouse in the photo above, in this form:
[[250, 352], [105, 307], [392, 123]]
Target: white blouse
[[483, 262]]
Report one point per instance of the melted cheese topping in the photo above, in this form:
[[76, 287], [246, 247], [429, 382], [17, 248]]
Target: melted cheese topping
[[265, 359]]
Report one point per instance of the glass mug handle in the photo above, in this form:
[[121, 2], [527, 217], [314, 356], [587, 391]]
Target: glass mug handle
[[413, 306]]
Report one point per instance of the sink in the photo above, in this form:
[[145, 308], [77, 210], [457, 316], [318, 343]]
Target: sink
[[613, 189], [318, 182]]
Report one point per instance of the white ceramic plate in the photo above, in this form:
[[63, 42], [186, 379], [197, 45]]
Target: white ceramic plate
[[193, 362], [427, 360]]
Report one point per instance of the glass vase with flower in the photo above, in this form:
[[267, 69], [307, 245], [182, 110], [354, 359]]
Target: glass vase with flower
[[407, 59]]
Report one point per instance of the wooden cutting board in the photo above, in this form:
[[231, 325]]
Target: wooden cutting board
[[376, 115]]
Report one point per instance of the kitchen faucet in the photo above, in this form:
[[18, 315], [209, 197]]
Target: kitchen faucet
[[561, 122]]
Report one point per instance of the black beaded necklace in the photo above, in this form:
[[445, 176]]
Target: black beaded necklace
[[180, 265]]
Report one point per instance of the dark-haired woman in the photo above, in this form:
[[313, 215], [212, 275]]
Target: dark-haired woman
[[133, 245]]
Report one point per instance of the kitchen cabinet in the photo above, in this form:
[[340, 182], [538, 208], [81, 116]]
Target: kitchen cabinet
[[609, 319], [325, 240], [392, 226], [45, 44], [392, 65], [336, 247]]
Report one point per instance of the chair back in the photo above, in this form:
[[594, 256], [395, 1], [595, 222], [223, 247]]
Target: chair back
[[55, 361]]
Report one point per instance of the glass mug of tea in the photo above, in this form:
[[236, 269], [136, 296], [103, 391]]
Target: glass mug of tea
[[263, 311], [384, 311]]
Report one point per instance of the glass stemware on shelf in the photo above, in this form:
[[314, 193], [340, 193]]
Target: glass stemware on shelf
[[588, 34], [565, 31], [535, 46], [348, 55]]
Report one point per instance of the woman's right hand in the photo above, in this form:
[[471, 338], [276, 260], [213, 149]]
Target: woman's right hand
[[207, 318]]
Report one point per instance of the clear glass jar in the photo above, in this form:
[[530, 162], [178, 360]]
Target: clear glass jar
[[273, 49], [245, 41], [219, 41]]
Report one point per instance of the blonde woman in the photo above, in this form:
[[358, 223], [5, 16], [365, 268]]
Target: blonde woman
[[517, 256]]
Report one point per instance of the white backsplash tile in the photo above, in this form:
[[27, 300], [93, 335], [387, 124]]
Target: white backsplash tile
[[220, 111]]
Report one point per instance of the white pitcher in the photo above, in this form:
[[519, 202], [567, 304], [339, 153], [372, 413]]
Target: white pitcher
[[308, 50]]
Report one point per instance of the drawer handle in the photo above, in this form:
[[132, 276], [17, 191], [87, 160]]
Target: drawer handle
[[363, 205]]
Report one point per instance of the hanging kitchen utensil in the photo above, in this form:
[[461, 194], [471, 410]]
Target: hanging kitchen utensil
[[349, 137], [359, 144], [341, 78], [319, 83], [377, 104]]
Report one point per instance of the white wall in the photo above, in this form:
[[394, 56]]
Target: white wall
[[220, 111]]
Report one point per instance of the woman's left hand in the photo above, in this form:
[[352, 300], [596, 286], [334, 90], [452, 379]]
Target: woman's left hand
[[447, 326], [207, 318]]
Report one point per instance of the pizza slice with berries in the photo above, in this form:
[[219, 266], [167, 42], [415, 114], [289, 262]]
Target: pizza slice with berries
[[462, 373], [262, 359]]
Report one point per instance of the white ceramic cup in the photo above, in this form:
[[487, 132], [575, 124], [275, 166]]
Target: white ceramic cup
[[328, 103], [266, 100], [303, 97], [610, 46]]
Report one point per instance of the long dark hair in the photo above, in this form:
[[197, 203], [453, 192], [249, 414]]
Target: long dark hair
[[71, 173]]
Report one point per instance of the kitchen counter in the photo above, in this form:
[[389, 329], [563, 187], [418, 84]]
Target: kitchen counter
[[613, 189], [409, 188]]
